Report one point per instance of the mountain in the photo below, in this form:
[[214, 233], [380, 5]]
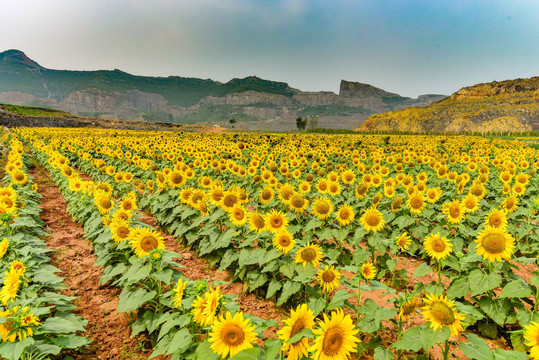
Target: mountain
[[510, 105], [254, 103]]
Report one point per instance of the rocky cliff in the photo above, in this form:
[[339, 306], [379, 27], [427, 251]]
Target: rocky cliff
[[119, 95], [511, 105]]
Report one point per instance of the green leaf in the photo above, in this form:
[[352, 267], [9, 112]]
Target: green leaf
[[411, 340], [273, 287], [132, 300], [481, 283], [516, 289], [496, 309], [429, 337], [247, 354], [500, 354], [317, 305], [272, 347], [289, 288], [71, 341], [287, 270], [458, 288], [382, 353], [422, 270], [180, 341], [14, 350], [64, 323], [305, 333], [476, 348], [338, 299]]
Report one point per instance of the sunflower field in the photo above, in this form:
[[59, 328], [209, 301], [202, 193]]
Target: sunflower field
[[376, 246]]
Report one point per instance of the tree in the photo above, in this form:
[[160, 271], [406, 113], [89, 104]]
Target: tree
[[301, 123], [313, 121], [232, 121]]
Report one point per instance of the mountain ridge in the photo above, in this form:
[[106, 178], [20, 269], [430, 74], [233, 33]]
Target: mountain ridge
[[253, 102]]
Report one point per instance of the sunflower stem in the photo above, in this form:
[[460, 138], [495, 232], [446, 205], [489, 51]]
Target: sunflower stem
[[439, 273], [358, 299], [536, 300], [399, 333], [446, 350]]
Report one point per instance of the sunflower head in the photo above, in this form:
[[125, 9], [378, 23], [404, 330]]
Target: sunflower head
[[440, 312], [495, 244], [437, 246], [372, 220], [368, 271], [309, 254]]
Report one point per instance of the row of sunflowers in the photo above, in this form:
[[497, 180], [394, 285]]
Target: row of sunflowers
[[314, 222], [35, 318]]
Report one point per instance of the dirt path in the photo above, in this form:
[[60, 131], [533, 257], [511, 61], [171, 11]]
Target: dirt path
[[109, 331]]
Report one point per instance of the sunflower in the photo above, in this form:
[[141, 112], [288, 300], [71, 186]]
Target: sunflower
[[283, 241], [437, 247], [519, 189], [19, 177], [238, 215], [322, 207], [300, 319], [433, 195], [348, 177], [470, 203], [231, 334], [145, 240], [176, 179], [416, 202], [361, 189], [205, 309], [322, 186], [368, 271], [406, 309], [297, 203], [4, 245], [177, 293], [531, 335], [103, 202], [453, 211], [229, 199], [309, 254], [510, 204], [396, 204], [185, 195], [372, 220], [276, 221], [266, 195], [11, 286], [334, 188], [389, 192], [496, 218], [440, 312], [129, 203], [403, 241], [216, 194], [494, 244], [345, 215], [478, 190], [202, 206], [328, 278], [120, 230], [336, 338]]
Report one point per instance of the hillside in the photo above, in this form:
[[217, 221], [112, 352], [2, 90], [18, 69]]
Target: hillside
[[511, 105], [253, 102]]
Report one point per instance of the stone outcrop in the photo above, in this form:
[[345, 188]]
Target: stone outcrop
[[357, 89], [16, 98]]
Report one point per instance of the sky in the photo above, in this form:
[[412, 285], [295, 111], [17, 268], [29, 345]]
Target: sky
[[409, 47]]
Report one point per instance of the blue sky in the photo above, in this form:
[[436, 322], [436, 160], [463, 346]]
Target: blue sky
[[409, 47]]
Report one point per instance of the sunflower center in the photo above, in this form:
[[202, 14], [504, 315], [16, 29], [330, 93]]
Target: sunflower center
[[148, 243], [344, 214], [328, 276], [308, 254], [266, 194], [238, 214], [217, 195], [197, 197], [510, 203], [322, 186], [258, 222], [276, 221], [127, 205], [372, 219], [322, 207], [454, 211], [416, 202], [362, 189], [494, 243], [230, 200], [19, 177], [286, 193], [495, 220], [176, 178], [438, 245], [232, 335], [442, 313], [284, 240], [298, 202], [105, 203], [123, 232], [333, 341]]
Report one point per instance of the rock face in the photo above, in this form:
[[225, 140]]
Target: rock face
[[119, 95], [511, 105]]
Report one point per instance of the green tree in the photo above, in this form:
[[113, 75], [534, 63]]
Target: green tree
[[301, 123]]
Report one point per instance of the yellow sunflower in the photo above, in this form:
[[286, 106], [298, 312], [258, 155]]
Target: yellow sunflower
[[283, 241], [238, 215], [368, 271], [440, 312], [406, 309], [437, 247], [103, 202], [4, 245], [256, 222], [231, 334], [510, 204], [496, 218], [433, 195], [297, 203], [300, 319], [276, 221], [177, 293], [335, 339], [372, 220], [266, 195], [495, 244], [470, 203], [206, 309], [531, 335], [228, 200], [145, 240], [453, 211], [403, 241], [309, 254], [322, 208], [416, 202], [120, 230], [345, 215], [396, 204], [328, 278]]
